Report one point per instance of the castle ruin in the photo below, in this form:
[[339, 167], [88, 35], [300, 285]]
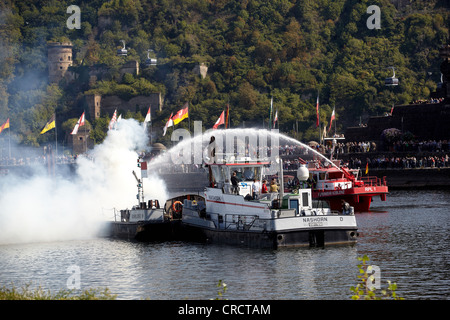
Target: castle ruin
[[60, 58]]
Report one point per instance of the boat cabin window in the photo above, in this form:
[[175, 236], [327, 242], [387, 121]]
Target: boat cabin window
[[219, 173], [305, 199], [335, 175], [318, 176], [320, 204], [247, 173]]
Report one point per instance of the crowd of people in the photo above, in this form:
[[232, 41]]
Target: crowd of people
[[35, 160], [410, 162], [436, 156], [398, 146], [433, 100]]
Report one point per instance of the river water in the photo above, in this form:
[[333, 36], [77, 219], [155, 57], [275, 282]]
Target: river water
[[406, 236]]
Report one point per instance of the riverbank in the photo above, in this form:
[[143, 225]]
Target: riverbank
[[414, 178], [397, 178], [409, 178]]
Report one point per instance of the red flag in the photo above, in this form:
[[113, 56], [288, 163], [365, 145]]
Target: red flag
[[148, 117], [113, 120], [79, 123], [169, 123], [220, 121], [317, 111], [331, 120]]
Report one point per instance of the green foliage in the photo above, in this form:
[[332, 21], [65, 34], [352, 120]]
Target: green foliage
[[290, 49], [362, 291], [26, 293], [222, 289]]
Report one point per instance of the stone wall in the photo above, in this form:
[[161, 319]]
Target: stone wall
[[426, 121], [81, 142], [100, 105]]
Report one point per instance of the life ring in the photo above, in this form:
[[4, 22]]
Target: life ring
[[176, 208]]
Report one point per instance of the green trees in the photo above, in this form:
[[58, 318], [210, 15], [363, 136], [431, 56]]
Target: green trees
[[255, 49]]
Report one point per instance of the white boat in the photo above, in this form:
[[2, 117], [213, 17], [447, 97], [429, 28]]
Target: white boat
[[225, 216], [148, 221]]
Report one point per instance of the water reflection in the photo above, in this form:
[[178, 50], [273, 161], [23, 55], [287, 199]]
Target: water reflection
[[404, 236]]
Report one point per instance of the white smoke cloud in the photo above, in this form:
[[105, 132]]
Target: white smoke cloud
[[44, 208]]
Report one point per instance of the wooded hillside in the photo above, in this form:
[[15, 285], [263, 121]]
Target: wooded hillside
[[255, 49]]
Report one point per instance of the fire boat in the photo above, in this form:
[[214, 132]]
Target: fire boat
[[335, 183]]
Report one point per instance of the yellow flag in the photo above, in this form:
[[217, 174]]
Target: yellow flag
[[50, 125], [4, 126]]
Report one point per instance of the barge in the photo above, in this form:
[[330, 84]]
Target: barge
[[241, 215]]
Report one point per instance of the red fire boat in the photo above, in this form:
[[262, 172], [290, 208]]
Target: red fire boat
[[335, 183]]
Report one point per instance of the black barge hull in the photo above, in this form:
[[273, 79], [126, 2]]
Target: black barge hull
[[274, 240], [148, 231]]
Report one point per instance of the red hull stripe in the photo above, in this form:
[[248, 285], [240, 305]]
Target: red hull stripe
[[236, 204]]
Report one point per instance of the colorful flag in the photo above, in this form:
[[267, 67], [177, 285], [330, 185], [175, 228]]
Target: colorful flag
[[113, 120], [392, 109], [331, 120], [317, 111], [148, 117], [220, 121], [169, 123], [4, 126], [181, 115], [144, 169], [79, 123], [367, 167], [275, 119], [50, 124]]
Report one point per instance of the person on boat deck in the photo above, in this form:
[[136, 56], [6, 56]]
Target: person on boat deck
[[234, 183], [255, 189], [273, 186], [311, 182], [345, 207], [264, 187]]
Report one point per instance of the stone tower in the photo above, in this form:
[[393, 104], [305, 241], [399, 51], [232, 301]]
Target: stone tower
[[59, 60]]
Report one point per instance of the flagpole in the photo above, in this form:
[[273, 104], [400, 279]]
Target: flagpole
[[189, 118], [270, 112], [85, 136], [334, 120], [151, 133], [9, 138], [56, 140]]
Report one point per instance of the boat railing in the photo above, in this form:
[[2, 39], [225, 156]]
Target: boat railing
[[242, 222], [372, 181]]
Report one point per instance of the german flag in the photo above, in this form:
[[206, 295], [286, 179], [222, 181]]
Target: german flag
[[4, 126], [50, 125], [181, 114]]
